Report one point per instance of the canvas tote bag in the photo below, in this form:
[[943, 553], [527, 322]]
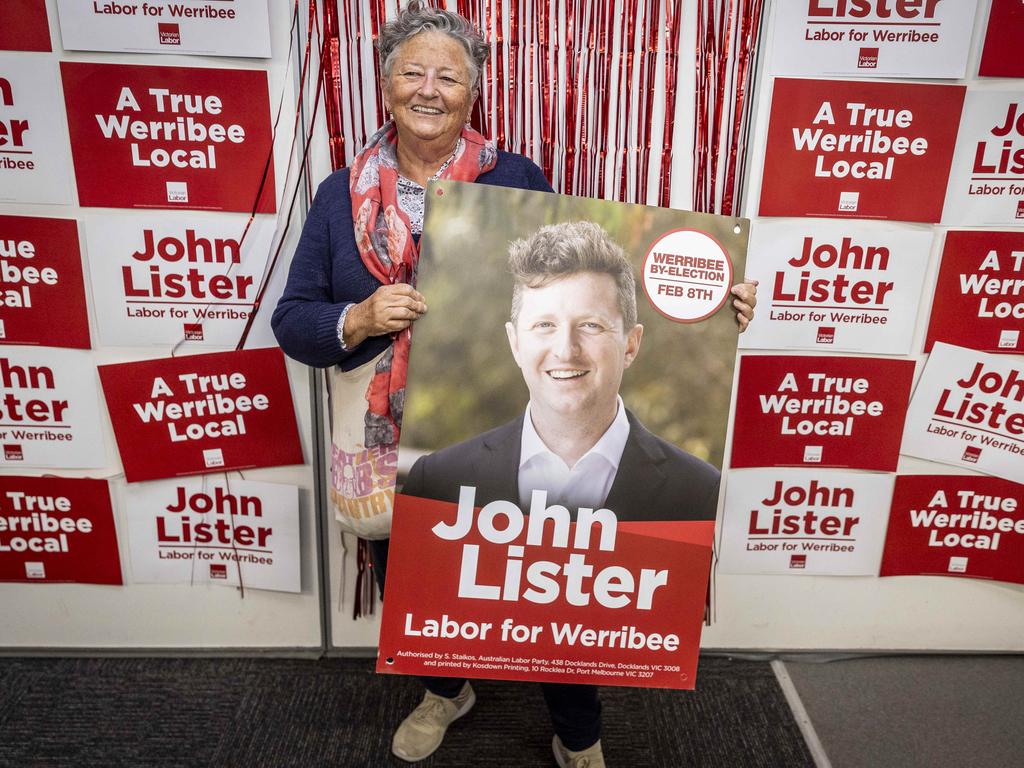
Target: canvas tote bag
[[362, 482]]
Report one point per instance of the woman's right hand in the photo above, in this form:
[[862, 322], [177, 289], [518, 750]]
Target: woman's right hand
[[391, 308]]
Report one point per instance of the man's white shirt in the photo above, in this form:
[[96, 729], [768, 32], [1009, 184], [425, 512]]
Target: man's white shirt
[[588, 482]]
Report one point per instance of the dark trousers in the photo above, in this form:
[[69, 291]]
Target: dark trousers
[[575, 709]]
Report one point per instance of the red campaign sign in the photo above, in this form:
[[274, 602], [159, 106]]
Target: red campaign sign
[[979, 296], [470, 594], [956, 525], [25, 26], [860, 149], [202, 413], [1001, 56], [57, 529], [41, 287], [820, 411], [173, 137]]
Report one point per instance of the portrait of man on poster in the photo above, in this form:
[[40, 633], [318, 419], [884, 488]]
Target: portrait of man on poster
[[573, 332]]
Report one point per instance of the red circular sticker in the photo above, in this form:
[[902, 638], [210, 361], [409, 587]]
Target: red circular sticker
[[687, 275]]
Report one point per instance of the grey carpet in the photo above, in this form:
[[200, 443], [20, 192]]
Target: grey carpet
[[336, 712], [916, 711]]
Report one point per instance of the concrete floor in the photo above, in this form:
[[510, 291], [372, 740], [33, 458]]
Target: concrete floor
[[912, 711]]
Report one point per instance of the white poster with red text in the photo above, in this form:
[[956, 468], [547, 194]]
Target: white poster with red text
[[865, 150], [49, 409], [196, 414], [986, 185], [233, 28], [968, 410], [925, 38], [34, 163], [979, 294], [170, 137], [158, 280], [42, 292], [199, 530], [842, 412], [956, 525], [56, 529], [835, 286], [798, 521]]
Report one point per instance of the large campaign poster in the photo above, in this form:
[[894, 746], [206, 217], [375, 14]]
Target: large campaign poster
[[956, 525], [986, 185], [864, 150], [1000, 56], [561, 331], [198, 27], [25, 26], [967, 411], [804, 522], [161, 280], [979, 294], [196, 414], [841, 412], [929, 39], [836, 286], [42, 292], [202, 530], [57, 529], [49, 409], [34, 163], [173, 137]]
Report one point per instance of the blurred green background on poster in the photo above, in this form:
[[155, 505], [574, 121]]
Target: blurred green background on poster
[[462, 377]]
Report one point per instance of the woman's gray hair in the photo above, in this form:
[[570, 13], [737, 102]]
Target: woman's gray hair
[[418, 17]]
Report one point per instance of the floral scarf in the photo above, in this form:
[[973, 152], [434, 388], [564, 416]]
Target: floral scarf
[[387, 248]]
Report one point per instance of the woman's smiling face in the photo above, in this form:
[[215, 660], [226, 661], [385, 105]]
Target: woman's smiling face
[[430, 90]]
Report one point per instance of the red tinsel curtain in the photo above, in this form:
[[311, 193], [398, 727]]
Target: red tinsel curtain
[[586, 88], [727, 38]]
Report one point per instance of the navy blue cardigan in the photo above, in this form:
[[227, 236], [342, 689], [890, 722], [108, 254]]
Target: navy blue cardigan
[[327, 274]]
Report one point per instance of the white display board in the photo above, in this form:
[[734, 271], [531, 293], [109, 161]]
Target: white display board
[[160, 279], [750, 612], [35, 161], [50, 411], [921, 38], [798, 521], [858, 614], [968, 410], [203, 530], [986, 182], [835, 286], [233, 28], [177, 618]]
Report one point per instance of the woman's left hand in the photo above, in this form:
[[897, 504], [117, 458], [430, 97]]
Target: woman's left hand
[[744, 303]]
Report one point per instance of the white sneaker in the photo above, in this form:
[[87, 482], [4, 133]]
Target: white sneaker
[[591, 757], [422, 732]]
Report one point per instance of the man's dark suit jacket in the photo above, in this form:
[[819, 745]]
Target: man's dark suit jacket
[[655, 480]]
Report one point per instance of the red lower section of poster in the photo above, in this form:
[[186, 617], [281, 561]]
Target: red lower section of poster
[[622, 608]]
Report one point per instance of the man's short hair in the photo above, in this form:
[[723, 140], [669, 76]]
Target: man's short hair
[[559, 250]]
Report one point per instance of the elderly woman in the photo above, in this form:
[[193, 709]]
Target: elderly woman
[[350, 298]]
